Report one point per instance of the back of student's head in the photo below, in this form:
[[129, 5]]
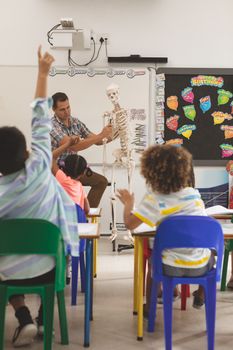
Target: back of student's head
[[167, 168], [74, 166], [13, 150], [59, 97]]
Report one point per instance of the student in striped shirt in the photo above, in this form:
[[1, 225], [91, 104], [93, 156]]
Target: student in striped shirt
[[29, 190], [167, 170]]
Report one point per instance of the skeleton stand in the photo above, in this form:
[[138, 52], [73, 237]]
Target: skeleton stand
[[123, 157]]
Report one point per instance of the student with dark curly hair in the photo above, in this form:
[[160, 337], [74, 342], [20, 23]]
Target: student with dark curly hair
[[168, 172]]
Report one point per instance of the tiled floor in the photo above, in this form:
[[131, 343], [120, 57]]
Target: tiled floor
[[114, 326]]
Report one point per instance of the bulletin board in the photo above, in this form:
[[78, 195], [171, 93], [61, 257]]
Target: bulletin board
[[197, 112]]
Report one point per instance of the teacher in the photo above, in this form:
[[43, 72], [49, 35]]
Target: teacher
[[63, 126]]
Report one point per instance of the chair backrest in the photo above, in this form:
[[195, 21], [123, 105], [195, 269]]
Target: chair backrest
[[34, 236], [80, 214], [188, 232]]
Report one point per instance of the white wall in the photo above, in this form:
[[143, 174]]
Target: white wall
[[190, 33]]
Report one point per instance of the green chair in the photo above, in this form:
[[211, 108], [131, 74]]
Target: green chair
[[227, 250], [35, 236]]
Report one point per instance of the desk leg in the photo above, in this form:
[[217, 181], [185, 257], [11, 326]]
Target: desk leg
[[94, 220], [135, 280], [87, 294], [95, 250], [140, 289], [92, 280]]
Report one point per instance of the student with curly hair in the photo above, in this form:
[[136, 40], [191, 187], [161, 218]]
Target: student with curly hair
[[168, 172]]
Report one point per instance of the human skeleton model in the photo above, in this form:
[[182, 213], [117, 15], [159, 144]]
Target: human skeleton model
[[119, 120]]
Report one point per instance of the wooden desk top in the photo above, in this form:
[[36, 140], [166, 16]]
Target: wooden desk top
[[94, 212], [89, 230], [222, 216]]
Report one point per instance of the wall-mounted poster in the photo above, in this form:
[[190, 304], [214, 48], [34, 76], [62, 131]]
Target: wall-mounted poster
[[198, 112]]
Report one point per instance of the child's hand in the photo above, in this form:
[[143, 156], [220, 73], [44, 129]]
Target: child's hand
[[74, 140], [44, 61], [125, 197], [69, 140]]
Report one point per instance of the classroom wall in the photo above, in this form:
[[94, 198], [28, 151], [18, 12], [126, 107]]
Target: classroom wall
[[190, 33]]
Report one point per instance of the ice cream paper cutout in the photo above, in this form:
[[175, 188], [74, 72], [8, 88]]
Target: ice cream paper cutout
[[227, 150], [186, 130], [219, 117], [187, 95], [223, 96], [172, 122], [175, 142], [190, 112], [228, 131], [205, 103], [172, 102]]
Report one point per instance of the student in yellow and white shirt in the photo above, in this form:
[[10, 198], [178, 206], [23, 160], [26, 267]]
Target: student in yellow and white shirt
[[168, 170]]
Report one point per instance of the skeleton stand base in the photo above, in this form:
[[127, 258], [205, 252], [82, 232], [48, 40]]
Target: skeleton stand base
[[121, 247]]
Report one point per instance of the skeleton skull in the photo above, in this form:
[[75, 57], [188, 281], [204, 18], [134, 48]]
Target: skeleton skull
[[113, 93]]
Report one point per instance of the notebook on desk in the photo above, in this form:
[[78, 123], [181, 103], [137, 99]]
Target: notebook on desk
[[143, 228], [218, 210]]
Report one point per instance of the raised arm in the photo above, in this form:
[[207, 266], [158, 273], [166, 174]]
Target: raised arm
[[127, 199], [41, 123], [67, 142], [44, 63]]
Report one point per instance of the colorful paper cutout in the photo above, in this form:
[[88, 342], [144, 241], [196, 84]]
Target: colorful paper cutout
[[188, 95], [186, 130], [219, 117], [208, 80], [175, 142], [172, 102], [224, 96], [172, 122], [190, 112], [227, 150], [228, 131], [231, 106], [205, 103]]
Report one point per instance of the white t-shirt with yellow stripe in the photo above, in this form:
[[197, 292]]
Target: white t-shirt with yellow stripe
[[155, 207]]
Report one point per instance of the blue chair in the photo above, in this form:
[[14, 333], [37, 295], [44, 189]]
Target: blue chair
[[76, 261], [186, 232]]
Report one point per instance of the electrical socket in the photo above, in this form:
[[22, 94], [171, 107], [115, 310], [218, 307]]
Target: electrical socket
[[97, 37]]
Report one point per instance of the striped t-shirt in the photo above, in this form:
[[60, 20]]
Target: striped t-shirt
[[33, 192], [155, 207]]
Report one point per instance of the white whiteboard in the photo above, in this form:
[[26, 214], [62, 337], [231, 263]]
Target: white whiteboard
[[87, 97]]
